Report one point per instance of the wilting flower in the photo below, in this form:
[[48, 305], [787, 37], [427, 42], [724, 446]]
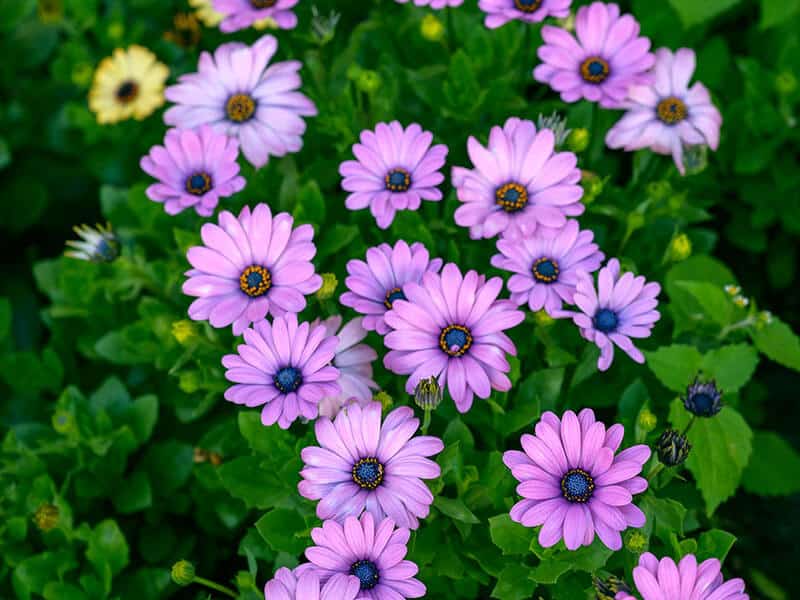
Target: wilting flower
[[354, 361], [185, 30], [195, 168], [240, 14], [621, 308], [517, 181], [363, 464], [127, 84], [703, 399], [373, 553], [374, 285], [286, 585], [396, 169], [237, 92], [607, 58], [285, 367], [249, 267], [667, 114], [451, 327], [437, 4], [546, 266], [500, 12], [97, 244], [572, 483], [672, 448], [661, 580]]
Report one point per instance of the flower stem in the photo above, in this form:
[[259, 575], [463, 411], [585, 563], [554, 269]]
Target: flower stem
[[689, 425], [215, 586], [655, 471], [426, 421]]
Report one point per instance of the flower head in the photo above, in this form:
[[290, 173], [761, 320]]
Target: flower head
[[241, 14], [374, 285], [97, 244], [287, 585], [240, 94], [363, 464], [605, 60], [667, 114], [249, 267], [372, 551], [428, 394], [621, 308], [436, 4], [672, 448], [500, 12], [545, 267], [518, 181], [127, 84], [284, 366], [195, 168], [451, 326], [688, 580], [703, 399], [396, 168], [572, 483]]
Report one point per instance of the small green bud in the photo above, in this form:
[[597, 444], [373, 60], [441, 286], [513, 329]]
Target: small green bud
[[541, 318], [635, 221], [353, 72], [64, 421], [189, 381], [428, 393], [432, 28], [647, 420], [81, 74], [659, 190], [369, 82], [672, 448], [635, 541], [764, 318], [329, 284], [183, 572], [384, 398], [184, 331], [592, 186], [116, 30], [785, 83], [46, 517], [578, 140], [680, 248]]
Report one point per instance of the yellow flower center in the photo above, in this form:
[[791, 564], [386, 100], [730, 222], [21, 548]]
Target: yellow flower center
[[511, 197], [240, 108]]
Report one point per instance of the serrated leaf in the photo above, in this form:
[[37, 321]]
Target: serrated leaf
[[774, 467], [675, 366], [279, 528], [714, 543], [693, 12], [779, 343], [731, 366], [455, 509], [512, 538], [513, 583], [716, 304], [585, 558]]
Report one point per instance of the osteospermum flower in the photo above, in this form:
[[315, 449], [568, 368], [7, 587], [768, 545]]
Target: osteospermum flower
[[396, 169], [572, 483], [688, 580], [601, 65], [249, 267], [240, 95], [500, 12], [284, 367], [371, 551], [667, 114], [195, 169], [354, 361], [374, 285], [703, 399], [518, 181], [451, 327], [437, 4], [363, 464], [127, 84], [546, 266], [240, 14], [286, 585], [621, 308]]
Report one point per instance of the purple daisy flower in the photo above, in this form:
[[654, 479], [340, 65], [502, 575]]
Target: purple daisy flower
[[622, 307], [241, 14], [286, 585], [664, 580], [363, 464], [602, 64], [284, 366], [354, 361], [437, 4], [373, 553], [396, 169], [374, 285], [250, 267], [195, 168], [518, 180], [667, 115], [451, 327], [240, 95], [572, 483], [546, 266], [500, 12]]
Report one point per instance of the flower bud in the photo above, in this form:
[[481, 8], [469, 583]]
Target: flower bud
[[680, 248], [647, 420], [64, 421], [543, 319], [428, 393], [672, 448], [635, 541], [592, 186], [608, 588], [659, 190], [183, 572], [368, 81], [116, 30], [189, 381], [431, 28], [385, 400], [81, 74], [329, 284], [578, 140], [703, 399], [184, 331], [785, 83], [46, 517]]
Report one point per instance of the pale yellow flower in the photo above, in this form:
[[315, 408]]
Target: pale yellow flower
[[204, 9], [127, 84]]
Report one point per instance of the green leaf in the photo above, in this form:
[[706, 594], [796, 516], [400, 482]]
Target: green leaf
[[32, 574], [335, 239], [142, 416], [668, 515], [779, 343], [721, 448], [675, 366], [716, 304], [5, 318], [134, 494], [731, 366], [266, 440], [455, 509], [63, 591], [513, 583], [777, 12], [310, 207], [107, 548], [280, 528], [512, 538], [13, 12], [714, 543], [693, 12], [245, 478], [169, 465], [774, 467], [585, 558]]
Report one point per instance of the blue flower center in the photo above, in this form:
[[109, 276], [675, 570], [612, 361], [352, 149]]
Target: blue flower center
[[703, 403], [455, 340], [397, 180], [577, 485], [198, 184], [288, 379], [606, 320], [545, 270], [528, 6], [255, 281], [106, 251], [511, 197], [392, 295], [368, 473], [595, 69], [367, 573]]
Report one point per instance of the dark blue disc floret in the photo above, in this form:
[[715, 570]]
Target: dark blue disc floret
[[577, 485], [392, 295], [606, 320], [368, 473], [367, 573], [288, 379], [703, 399]]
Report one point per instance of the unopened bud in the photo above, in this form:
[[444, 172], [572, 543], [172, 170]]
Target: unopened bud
[[635, 541], [183, 572], [329, 284], [647, 420], [680, 248], [431, 28], [428, 393], [46, 517], [384, 398], [578, 140], [672, 448]]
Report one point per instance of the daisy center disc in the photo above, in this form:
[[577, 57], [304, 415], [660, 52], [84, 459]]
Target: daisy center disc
[[288, 379], [577, 485], [606, 320], [672, 110], [528, 6], [240, 108], [455, 340], [545, 270], [198, 184], [511, 197], [368, 473], [397, 180], [392, 295], [263, 3], [595, 69], [367, 573], [127, 91], [255, 281]]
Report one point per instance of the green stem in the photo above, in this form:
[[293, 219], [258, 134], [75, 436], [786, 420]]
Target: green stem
[[689, 425], [727, 330], [215, 586], [426, 421], [450, 29], [655, 471]]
